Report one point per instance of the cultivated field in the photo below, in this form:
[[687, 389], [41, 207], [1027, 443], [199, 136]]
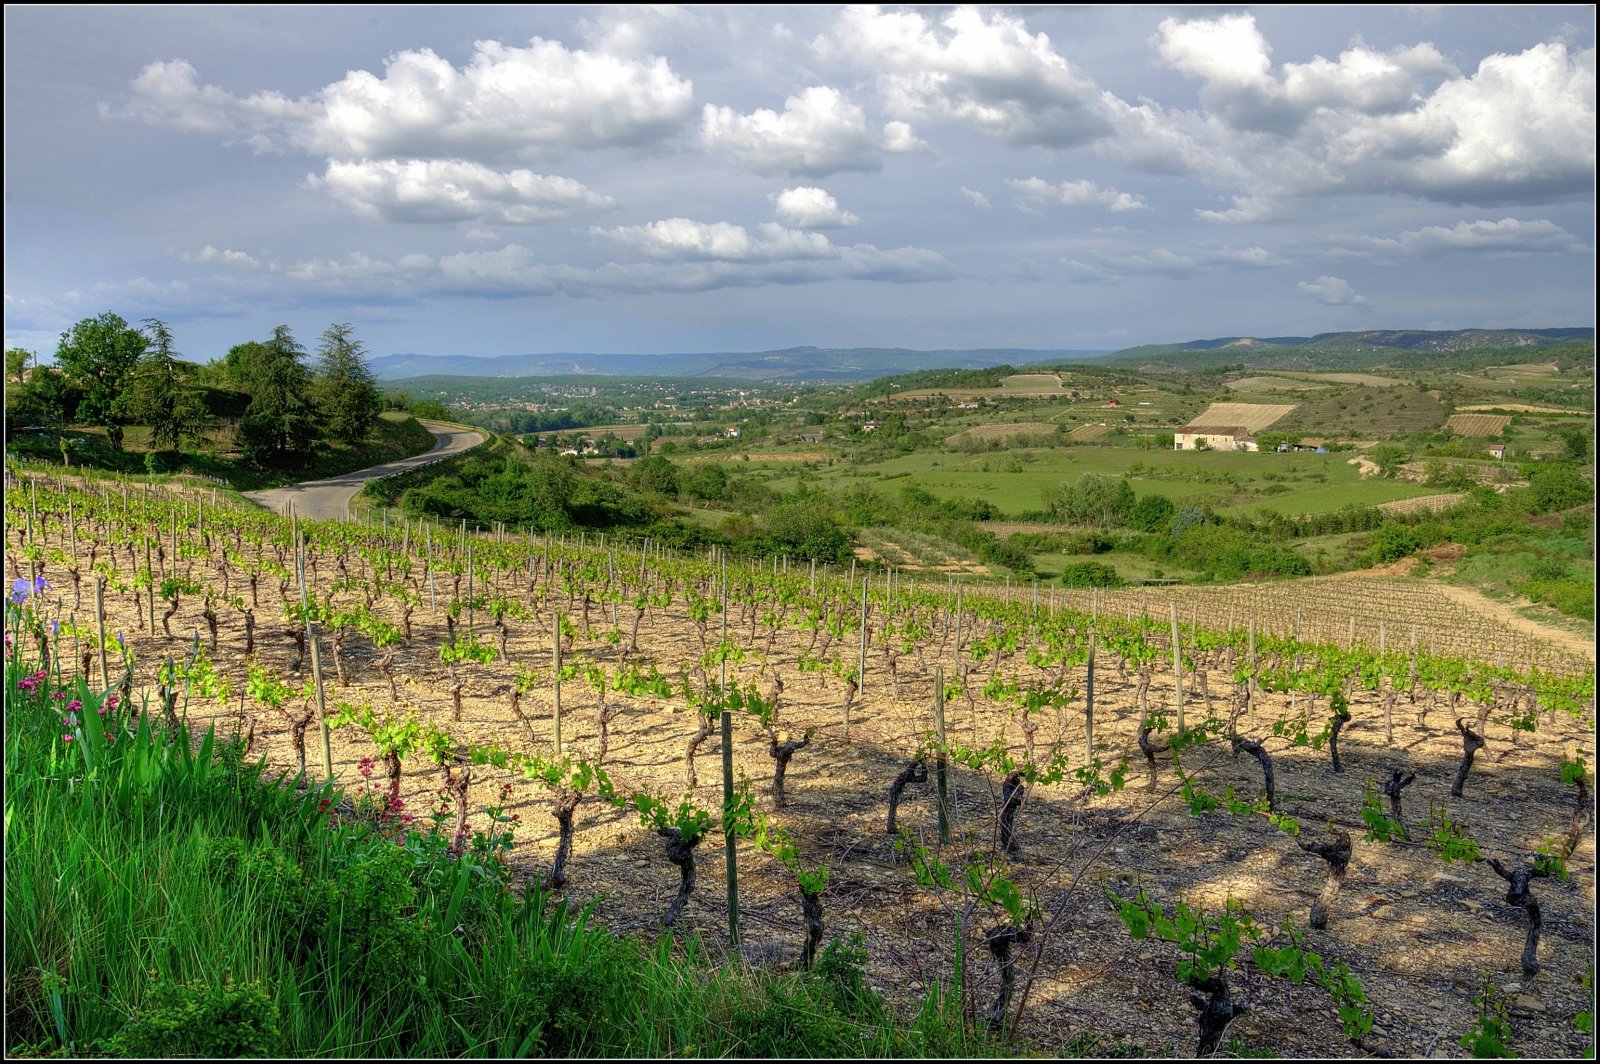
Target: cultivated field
[[1477, 424], [1521, 408], [1367, 379], [1423, 502], [1418, 932], [1272, 384], [1252, 417], [1002, 431]]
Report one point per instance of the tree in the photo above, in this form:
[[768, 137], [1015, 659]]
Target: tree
[[1387, 457], [1150, 512], [655, 474], [42, 402], [344, 390], [97, 355], [1095, 499], [17, 359], [281, 418], [161, 393], [803, 528]]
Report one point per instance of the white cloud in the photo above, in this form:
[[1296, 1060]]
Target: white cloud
[[226, 257], [507, 103], [1332, 291], [1244, 209], [978, 199], [683, 239], [1234, 62], [979, 70], [453, 190], [1519, 129], [1035, 192], [820, 132], [1507, 236], [169, 94], [806, 207], [900, 139]]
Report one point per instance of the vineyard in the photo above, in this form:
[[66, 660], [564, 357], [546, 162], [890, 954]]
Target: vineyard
[[1328, 818]]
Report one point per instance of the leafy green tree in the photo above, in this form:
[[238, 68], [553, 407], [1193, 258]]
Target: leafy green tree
[[655, 474], [1096, 499], [281, 418], [1387, 457], [704, 480], [162, 393], [344, 390], [43, 401], [17, 359], [1575, 440], [1150, 512], [802, 527], [97, 355], [431, 409]]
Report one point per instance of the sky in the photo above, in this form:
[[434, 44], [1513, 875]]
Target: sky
[[507, 180]]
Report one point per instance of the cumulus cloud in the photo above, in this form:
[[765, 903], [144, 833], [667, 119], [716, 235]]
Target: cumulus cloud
[[807, 207], [227, 257], [507, 103], [978, 199], [1234, 62], [1522, 127], [900, 139], [1034, 192], [1333, 292], [1518, 129], [979, 70], [681, 238], [453, 190], [1508, 236], [820, 132], [1244, 209]]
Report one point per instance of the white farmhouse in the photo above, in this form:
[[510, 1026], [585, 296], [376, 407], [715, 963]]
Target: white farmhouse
[[1213, 438]]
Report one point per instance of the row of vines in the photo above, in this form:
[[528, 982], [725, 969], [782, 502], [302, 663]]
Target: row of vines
[[507, 661]]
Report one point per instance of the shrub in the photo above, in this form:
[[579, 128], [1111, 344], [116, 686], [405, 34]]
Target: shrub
[[194, 1019], [1390, 543], [1090, 574]]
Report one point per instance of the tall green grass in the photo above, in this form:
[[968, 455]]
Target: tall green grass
[[165, 897]]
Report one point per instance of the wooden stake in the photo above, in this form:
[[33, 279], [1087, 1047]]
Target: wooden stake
[[940, 772], [557, 659], [1177, 667], [100, 626], [316, 667], [1088, 705]]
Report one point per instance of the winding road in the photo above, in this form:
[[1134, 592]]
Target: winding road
[[327, 500]]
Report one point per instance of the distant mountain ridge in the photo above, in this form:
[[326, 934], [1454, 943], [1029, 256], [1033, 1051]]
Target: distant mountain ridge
[[791, 364], [1373, 347]]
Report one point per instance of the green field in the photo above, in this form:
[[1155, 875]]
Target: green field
[[1016, 481]]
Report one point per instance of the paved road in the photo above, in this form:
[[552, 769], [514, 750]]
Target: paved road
[[326, 500]]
